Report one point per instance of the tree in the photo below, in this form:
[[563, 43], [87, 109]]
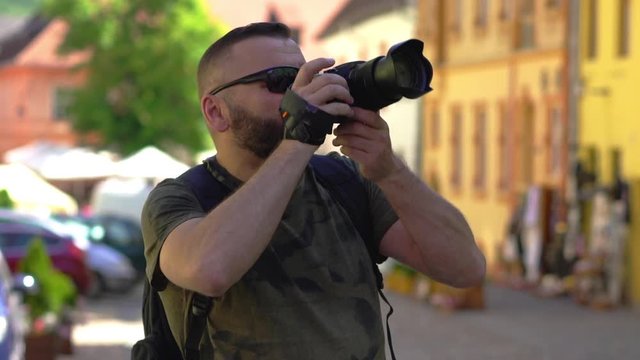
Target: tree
[[19, 8], [141, 87]]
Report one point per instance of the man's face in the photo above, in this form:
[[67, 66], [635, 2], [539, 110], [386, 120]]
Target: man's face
[[253, 110]]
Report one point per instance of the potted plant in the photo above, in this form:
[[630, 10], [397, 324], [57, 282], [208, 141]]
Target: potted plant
[[49, 307], [5, 199]]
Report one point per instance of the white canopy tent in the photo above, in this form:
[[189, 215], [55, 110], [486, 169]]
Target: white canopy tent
[[60, 162], [32, 193], [77, 163], [150, 163], [34, 154]]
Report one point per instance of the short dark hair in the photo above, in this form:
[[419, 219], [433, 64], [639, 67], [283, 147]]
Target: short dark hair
[[218, 48]]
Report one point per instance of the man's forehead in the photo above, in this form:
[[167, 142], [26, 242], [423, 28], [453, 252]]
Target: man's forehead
[[270, 51]]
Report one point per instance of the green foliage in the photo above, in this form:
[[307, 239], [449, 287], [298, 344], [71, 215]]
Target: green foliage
[[142, 87], [5, 200], [56, 290]]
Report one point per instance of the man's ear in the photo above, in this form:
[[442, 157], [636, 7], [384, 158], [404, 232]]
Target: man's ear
[[212, 109]]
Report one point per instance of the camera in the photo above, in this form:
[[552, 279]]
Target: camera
[[384, 80]]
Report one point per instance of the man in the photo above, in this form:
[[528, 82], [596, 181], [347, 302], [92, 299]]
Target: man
[[292, 277]]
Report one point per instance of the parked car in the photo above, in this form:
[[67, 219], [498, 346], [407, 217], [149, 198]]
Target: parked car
[[13, 320], [118, 232], [64, 254], [110, 270]]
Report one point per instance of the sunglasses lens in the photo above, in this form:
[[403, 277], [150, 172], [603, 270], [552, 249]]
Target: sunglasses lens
[[279, 80]]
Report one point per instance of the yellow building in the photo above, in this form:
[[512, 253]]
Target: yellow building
[[496, 121], [608, 124]]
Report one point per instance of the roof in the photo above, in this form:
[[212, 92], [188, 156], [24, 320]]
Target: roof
[[17, 33], [357, 11]]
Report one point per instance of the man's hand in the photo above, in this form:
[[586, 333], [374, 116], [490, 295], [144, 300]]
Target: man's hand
[[328, 92], [365, 139]]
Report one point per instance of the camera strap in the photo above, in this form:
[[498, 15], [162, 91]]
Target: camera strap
[[303, 121]]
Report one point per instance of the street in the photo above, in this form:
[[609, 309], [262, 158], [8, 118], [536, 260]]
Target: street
[[515, 325]]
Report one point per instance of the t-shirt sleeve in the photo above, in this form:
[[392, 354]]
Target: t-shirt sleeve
[[382, 214], [168, 205]]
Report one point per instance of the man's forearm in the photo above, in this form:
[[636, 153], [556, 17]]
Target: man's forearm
[[438, 229], [229, 240]]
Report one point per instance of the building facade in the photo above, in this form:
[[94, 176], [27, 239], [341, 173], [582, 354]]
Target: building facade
[[495, 125], [36, 84], [608, 125]]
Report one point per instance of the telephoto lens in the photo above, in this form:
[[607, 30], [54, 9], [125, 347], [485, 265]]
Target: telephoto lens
[[384, 80]]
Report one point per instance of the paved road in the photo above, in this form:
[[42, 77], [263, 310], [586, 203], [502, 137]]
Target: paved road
[[514, 326]]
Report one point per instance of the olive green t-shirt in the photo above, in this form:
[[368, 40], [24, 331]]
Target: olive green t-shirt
[[312, 293]]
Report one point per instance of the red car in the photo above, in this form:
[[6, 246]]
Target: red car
[[65, 255]]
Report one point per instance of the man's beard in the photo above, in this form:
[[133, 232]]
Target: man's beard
[[260, 135]]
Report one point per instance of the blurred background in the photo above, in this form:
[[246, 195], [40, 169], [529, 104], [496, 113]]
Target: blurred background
[[530, 131]]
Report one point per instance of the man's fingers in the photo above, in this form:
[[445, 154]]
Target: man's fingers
[[337, 109], [310, 69], [330, 93], [369, 118]]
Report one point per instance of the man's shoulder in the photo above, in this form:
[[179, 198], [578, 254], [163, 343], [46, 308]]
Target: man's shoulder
[[165, 193]]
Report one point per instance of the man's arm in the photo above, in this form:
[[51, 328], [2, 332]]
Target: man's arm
[[431, 235], [211, 253]]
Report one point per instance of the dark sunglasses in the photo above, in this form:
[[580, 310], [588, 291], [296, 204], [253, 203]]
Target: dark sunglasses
[[278, 79]]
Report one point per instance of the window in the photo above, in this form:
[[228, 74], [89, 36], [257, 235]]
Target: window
[[62, 98], [506, 9], [503, 148], [456, 16], [624, 25], [592, 27], [526, 25], [616, 163], [552, 4], [482, 13], [480, 149], [118, 233], [456, 148], [555, 140], [526, 143]]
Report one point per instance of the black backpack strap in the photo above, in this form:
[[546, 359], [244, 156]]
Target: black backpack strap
[[209, 192], [158, 343], [345, 186], [200, 308]]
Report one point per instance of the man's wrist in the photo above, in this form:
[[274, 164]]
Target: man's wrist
[[297, 146], [304, 122]]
